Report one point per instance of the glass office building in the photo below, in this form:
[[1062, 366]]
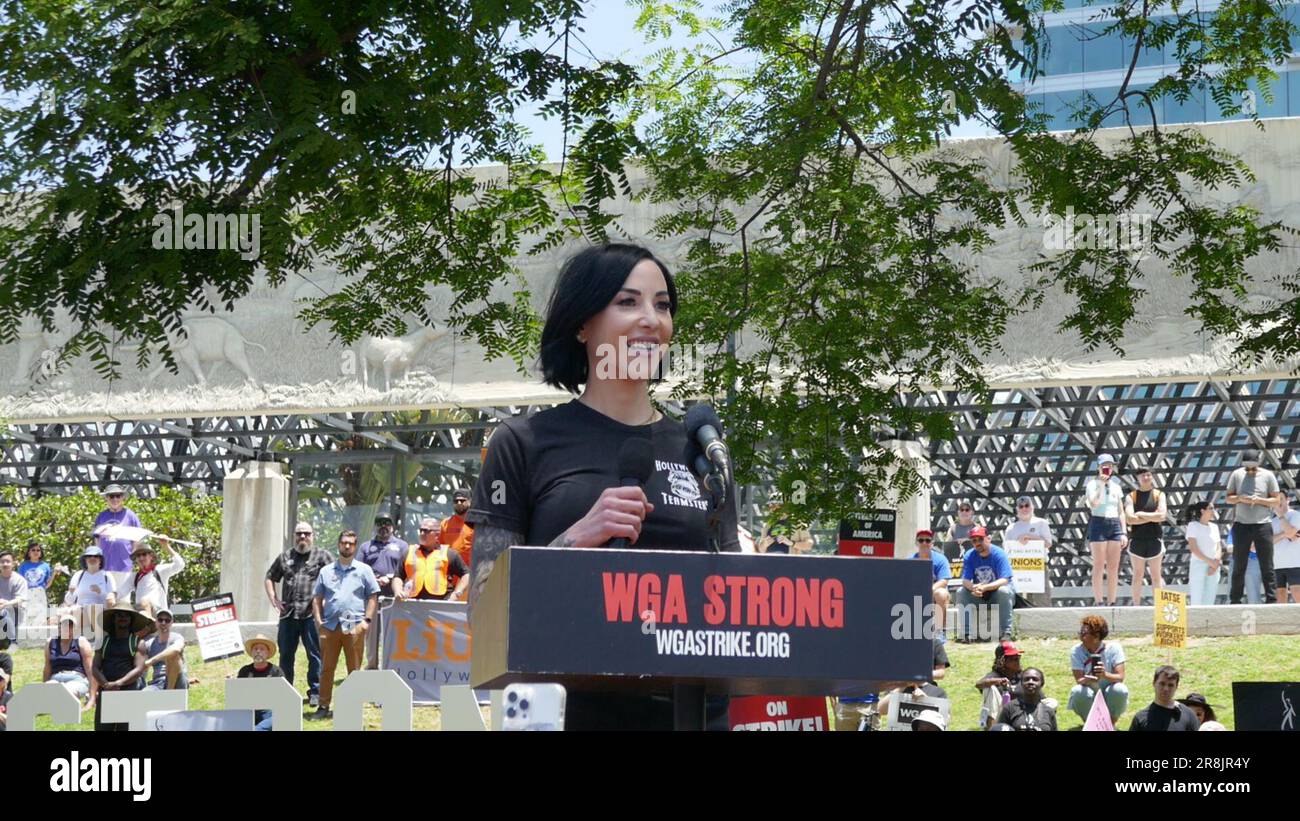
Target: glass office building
[[1079, 59]]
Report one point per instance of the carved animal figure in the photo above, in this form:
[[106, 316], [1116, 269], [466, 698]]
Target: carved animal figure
[[209, 339], [394, 355]]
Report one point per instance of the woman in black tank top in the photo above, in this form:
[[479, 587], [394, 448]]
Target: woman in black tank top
[[1144, 509]]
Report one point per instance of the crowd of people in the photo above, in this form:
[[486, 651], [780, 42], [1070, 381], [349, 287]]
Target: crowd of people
[[1262, 548], [326, 603]]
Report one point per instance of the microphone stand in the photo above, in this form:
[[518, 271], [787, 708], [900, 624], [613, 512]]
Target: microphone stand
[[689, 702]]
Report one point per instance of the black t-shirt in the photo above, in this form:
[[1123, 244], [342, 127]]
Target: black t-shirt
[[251, 671], [1019, 714], [545, 471], [1154, 718], [1147, 501]]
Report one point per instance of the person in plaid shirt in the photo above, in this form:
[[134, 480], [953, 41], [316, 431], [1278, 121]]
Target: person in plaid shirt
[[297, 569]]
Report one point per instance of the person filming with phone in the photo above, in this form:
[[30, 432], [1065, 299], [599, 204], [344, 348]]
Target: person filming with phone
[[1098, 667]]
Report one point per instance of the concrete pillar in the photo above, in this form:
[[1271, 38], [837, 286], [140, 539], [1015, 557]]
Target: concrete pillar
[[913, 512], [254, 521]]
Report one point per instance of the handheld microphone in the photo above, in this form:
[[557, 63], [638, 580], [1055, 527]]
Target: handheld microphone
[[705, 428], [636, 461]]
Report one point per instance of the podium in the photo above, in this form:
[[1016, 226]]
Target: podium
[[655, 621]]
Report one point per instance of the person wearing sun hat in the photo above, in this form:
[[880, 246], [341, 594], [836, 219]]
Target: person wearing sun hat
[[262, 649], [929, 721], [69, 659], [92, 585], [120, 662], [148, 585], [1198, 704]]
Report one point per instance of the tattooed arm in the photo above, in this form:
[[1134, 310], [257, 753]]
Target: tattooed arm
[[489, 543]]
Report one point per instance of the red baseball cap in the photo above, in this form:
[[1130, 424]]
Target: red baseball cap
[[1008, 648], [921, 533], [978, 531]]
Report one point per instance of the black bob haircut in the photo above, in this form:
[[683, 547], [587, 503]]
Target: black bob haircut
[[587, 284], [1195, 509]]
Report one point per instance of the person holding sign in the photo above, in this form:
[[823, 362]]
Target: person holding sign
[[1106, 529], [1035, 531], [986, 577], [1203, 542], [1165, 714], [1145, 511], [147, 589], [1098, 667]]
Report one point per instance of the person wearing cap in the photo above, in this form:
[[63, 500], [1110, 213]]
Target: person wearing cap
[[343, 606], [1254, 491], [384, 554], [1207, 558], [13, 593], [92, 585], [1197, 703], [1145, 510], [998, 684], [1107, 528], [1286, 550], [69, 659], [940, 573], [1165, 714], [455, 532], [985, 579], [149, 584], [958, 537], [297, 570], [166, 656], [262, 649], [429, 567], [1027, 710], [1032, 530], [929, 721], [1098, 667], [117, 552], [120, 662]]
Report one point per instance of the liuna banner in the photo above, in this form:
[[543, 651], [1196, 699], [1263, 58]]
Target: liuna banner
[[427, 643]]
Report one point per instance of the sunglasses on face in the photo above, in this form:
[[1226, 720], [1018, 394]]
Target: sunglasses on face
[[427, 530], [164, 620], [1024, 507], [924, 541], [303, 533], [115, 496], [966, 510]]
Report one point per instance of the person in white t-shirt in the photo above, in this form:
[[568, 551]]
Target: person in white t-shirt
[[1286, 550], [1029, 529], [1107, 529], [1203, 542], [92, 585]]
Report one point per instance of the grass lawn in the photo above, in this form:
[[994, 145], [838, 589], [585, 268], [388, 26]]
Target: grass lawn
[[1208, 666]]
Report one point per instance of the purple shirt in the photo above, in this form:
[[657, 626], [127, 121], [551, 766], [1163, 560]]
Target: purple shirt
[[117, 552]]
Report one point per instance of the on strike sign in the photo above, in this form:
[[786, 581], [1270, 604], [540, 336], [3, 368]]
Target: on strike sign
[[217, 627], [780, 713]]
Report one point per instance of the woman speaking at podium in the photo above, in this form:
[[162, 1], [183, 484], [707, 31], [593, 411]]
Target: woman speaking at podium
[[552, 478]]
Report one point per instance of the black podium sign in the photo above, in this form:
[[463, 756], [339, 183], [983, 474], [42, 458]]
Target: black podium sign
[[734, 622]]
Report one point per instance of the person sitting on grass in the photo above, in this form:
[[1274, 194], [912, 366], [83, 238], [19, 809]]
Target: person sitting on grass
[[262, 649], [1098, 667], [1028, 711], [69, 659]]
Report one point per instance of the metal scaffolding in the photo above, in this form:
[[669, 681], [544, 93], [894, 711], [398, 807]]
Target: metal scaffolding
[[1037, 442]]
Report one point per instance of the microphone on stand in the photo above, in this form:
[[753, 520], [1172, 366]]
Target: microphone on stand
[[704, 428], [636, 461]]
